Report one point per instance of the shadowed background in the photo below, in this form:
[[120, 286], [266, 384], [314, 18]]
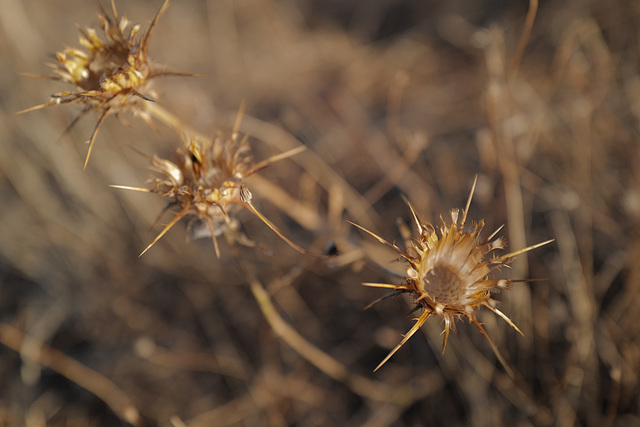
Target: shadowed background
[[392, 98]]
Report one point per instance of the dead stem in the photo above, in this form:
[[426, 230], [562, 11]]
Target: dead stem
[[522, 43], [401, 396], [321, 360], [315, 166], [171, 120], [73, 370]]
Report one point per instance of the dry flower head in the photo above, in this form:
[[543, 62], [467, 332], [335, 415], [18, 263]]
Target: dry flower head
[[450, 273], [206, 182], [109, 75]]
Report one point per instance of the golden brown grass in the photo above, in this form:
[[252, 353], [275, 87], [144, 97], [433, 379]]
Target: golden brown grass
[[390, 100]]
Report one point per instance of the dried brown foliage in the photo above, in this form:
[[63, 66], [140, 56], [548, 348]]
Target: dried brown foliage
[[397, 98]]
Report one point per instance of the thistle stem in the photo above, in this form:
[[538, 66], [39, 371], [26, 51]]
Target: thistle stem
[[171, 120]]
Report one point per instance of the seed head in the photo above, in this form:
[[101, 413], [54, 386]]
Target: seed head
[[109, 74], [205, 181], [450, 272]]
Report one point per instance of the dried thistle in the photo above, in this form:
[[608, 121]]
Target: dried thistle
[[206, 182], [450, 273], [109, 76]]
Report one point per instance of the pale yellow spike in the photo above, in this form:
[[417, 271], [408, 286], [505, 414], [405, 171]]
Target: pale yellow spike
[[34, 108], [213, 236], [236, 125], [173, 222], [521, 251], [423, 318], [503, 316], [101, 118], [383, 285], [115, 10], [40, 76], [269, 224], [384, 242], [267, 162], [414, 214], [126, 187], [466, 209], [495, 232], [447, 328], [501, 359], [145, 41]]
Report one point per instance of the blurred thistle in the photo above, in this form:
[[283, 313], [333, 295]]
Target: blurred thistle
[[450, 273], [109, 76], [206, 182]]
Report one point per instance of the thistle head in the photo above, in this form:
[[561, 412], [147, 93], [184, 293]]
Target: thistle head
[[105, 69], [108, 73], [450, 267], [450, 272], [205, 181]]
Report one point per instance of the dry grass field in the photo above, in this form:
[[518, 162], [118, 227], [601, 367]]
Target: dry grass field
[[392, 99]]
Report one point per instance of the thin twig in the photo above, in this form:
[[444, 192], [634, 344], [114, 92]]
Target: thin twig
[[401, 396], [73, 370], [321, 360], [522, 43]]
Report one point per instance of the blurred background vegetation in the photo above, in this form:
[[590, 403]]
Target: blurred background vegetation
[[391, 97]]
